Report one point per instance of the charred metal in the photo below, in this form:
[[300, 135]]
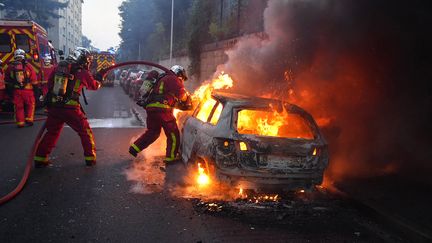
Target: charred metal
[[254, 161]]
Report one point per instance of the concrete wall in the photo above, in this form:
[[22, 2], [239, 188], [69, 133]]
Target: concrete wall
[[209, 61], [211, 56]]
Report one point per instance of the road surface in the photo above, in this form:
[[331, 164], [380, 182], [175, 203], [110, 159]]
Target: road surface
[[120, 200]]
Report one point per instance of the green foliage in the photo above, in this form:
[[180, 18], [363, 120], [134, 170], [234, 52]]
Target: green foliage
[[37, 10], [200, 19], [146, 28], [217, 31]]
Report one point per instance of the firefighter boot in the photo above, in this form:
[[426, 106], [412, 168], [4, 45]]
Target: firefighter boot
[[42, 164], [170, 161], [133, 151], [90, 163]]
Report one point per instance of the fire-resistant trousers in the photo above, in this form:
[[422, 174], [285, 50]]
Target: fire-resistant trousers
[[155, 121], [77, 120], [24, 104]]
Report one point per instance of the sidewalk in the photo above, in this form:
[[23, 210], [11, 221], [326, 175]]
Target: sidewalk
[[400, 200]]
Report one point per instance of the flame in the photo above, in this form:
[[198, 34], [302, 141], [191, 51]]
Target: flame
[[203, 179], [202, 96], [223, 81], [273, 123]]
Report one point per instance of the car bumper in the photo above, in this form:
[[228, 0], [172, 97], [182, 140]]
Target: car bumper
[[269, 180]]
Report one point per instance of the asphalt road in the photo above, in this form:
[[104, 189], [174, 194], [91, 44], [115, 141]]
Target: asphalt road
[[120, 200]]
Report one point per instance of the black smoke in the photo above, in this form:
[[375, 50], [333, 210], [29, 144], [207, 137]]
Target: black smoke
[[362, 68]]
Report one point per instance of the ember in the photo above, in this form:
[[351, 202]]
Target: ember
[[257, 198]]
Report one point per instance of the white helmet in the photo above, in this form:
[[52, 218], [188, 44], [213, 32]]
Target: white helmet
[[19, 54], [179, 72], [47, 60]]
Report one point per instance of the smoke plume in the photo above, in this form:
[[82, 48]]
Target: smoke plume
[[361, 68]]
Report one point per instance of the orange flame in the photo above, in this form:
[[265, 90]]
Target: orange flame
[[203, 179], [273, 123]]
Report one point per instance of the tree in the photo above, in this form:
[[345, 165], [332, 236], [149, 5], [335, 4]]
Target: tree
[[145, 29], [37, 10], [86, 42], [202, 13]]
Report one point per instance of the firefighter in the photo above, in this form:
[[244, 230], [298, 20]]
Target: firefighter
[[20, 79], [148, 83], [64, 89], [167, 93], [48, 68]]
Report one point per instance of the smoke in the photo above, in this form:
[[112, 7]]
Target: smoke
[[361, 68], [146, 172]]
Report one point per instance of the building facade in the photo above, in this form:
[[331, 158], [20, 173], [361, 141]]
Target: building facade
[[67, 31]]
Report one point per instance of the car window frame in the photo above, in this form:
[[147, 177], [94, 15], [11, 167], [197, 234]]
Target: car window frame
[[213, 111], [209, 117]]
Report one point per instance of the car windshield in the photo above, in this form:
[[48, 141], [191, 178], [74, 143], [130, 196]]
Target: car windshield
[[273, 124]]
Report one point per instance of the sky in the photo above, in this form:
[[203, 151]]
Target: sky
[[101, 22]]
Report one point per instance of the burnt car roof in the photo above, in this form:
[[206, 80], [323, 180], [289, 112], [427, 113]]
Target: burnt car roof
[[239, 100]]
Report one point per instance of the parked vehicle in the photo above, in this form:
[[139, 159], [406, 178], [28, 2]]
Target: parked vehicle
[[136, 85], [255, 143], [131, 76], [30, 37]]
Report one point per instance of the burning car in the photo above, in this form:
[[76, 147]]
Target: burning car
[[255, 143]]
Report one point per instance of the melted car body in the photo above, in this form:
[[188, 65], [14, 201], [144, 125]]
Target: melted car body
[[238, 151]]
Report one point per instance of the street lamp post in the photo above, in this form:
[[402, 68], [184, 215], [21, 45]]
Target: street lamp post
[[172, 28]]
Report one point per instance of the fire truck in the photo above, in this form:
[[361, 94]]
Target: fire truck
[[101, 60], [30, 37]]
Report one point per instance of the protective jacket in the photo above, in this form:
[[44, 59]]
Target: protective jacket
[[166, 93], [65, 91], [20, 75], [20, 80], [69, 111]]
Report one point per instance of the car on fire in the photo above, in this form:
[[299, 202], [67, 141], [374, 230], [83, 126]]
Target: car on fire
[[255, 143]]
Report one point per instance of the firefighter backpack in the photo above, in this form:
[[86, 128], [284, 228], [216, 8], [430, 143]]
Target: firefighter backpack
[[146, 90], [62, 90], [20, 75]]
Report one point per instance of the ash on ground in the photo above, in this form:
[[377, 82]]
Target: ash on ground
[[288, 208]]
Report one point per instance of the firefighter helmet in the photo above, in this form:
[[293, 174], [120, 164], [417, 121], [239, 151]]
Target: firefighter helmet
[[81, 56], [47, 60], [179, 72], [19, 55], [152, 75]]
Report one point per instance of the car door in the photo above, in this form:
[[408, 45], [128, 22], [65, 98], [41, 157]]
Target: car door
[[198, 128]]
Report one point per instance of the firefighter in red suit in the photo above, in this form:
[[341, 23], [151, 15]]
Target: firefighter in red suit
[[167, 93], [20, 78], [48, 68], [65, 86]]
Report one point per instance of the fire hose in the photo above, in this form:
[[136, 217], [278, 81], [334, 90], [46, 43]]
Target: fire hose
[[29, 164], [27, 170]]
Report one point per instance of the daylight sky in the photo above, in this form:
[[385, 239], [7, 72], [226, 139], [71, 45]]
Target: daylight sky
[[101, 22]]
